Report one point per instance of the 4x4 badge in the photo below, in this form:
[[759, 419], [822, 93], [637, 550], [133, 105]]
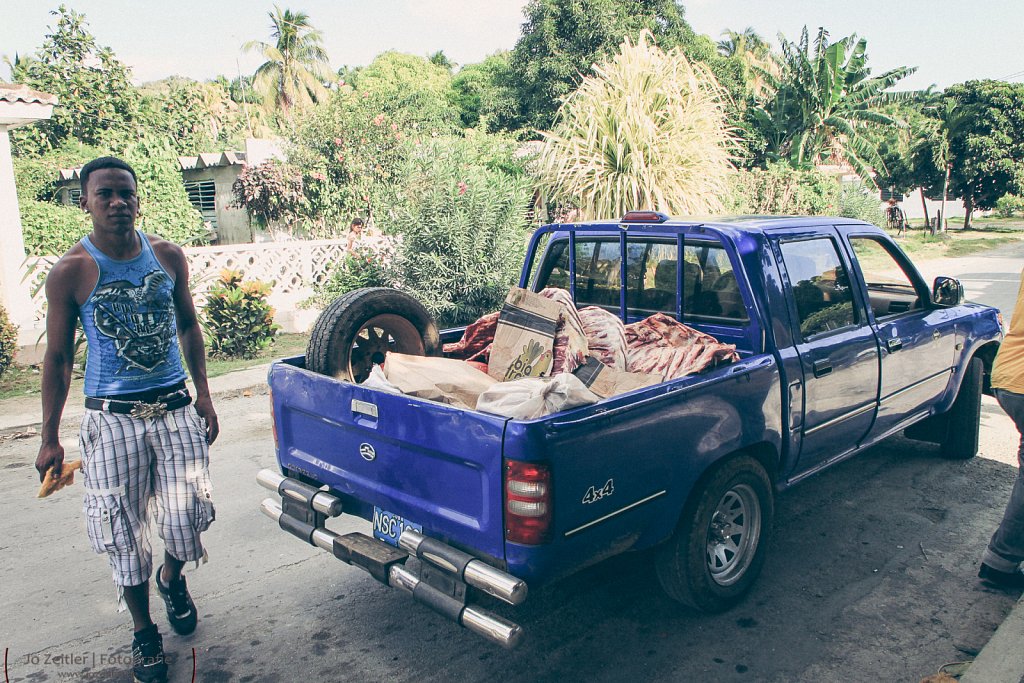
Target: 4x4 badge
[[366, 450]]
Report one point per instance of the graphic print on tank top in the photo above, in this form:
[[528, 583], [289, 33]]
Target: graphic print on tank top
[[137, 318]]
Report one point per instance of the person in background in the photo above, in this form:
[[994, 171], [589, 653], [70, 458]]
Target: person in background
[[142, 437], [355, 232], [1000, 563]]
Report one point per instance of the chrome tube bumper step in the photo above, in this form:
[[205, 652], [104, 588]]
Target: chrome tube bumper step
[[303, 513]]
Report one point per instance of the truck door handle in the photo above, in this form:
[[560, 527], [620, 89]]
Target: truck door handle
[[822, 367], [894, 344]]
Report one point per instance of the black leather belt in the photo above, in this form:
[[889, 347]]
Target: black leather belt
[[155, 408]]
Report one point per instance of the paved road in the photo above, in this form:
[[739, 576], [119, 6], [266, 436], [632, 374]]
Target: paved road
[[871, 577]]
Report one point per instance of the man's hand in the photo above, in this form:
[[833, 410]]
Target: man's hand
[[50, 455], [204, 406]]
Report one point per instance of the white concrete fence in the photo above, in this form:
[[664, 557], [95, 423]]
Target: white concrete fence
[[295, 268]]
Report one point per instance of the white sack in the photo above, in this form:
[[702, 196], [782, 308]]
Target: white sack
[[533, 397]]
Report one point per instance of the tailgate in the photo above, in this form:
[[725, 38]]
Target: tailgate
[[433, 464]]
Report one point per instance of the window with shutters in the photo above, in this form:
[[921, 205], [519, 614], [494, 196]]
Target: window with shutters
[[203, 195]]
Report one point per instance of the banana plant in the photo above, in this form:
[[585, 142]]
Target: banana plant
[[825, 104]]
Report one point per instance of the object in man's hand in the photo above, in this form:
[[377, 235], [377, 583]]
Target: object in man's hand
[[53, 483]]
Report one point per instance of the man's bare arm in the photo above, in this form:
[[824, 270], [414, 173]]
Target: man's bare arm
[[190, 335], [61, 314]]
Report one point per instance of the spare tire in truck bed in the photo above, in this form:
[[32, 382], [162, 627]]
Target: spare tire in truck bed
[[360, 327]]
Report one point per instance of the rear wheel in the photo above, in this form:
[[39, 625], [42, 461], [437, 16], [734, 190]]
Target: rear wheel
[[358, 329], [963, 420], [718, 549]]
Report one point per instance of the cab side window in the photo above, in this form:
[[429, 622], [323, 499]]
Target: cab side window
[[820, 286], [890, 290]]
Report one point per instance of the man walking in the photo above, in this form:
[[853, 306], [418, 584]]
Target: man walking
[[142, 437], [1000, 564]]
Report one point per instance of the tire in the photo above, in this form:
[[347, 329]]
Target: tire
[[708, 566], [964, 418], [359, 328]]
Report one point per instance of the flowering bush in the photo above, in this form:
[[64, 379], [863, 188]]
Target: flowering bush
[[272, 192], [239, 321]]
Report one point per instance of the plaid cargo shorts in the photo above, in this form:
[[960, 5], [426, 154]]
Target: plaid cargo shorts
[[132, 464]]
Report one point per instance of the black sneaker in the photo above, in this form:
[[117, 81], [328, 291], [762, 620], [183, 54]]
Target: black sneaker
[[148, 665], [181, 611], [1012, 580]]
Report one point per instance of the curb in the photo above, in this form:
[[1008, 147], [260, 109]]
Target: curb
[[1002, 658], [23, 415]]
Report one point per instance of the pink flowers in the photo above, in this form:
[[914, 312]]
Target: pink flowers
[[338, 142], [339, 156], [462, 188], [319, 176], [378, 120]]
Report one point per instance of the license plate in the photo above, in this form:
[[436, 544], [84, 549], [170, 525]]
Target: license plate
[[387, 526]]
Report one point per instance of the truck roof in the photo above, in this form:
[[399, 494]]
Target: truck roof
[[738, 223]]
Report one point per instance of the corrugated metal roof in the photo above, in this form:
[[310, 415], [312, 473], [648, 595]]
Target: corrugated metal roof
[[205, 160], [16, 92]]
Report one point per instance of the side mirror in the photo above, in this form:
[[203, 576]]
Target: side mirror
[[947, 291]]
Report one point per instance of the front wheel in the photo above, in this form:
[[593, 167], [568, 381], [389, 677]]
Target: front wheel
[[963, 421], [718, 549]]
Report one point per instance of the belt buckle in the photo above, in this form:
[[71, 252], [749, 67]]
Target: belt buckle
[[146, 410]]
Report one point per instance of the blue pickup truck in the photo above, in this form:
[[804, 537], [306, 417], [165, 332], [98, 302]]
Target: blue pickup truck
[[841, 343]]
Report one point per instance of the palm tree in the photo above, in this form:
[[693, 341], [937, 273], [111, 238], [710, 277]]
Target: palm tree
[[647, 131], [826, 104], [734, 43], [755, 57], [297, 64]]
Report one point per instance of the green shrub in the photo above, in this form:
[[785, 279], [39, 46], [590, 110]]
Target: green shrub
[[239, 321], [858, 201], [51, 229], [463, 231], [781, 189], [1010, 205], [365, 266], [8, 341]]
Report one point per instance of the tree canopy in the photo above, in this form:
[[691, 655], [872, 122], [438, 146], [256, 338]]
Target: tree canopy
[[984, 125], [96, 98], [562, 39]]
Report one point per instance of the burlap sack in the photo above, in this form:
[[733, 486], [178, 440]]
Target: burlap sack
[[605, 381], [446, 380]]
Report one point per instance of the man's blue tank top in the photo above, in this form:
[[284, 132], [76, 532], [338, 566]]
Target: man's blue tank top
[[130, 326]]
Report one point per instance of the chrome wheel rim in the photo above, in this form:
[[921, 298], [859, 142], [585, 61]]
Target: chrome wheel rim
[[733, 535], [379, 336]]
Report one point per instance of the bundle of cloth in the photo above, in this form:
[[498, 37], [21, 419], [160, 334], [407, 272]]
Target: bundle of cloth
[[658, 345]]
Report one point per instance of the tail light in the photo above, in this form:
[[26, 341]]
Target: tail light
[[527, 502]]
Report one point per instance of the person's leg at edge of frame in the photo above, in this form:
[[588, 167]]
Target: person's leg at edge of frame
[[1005, 551]]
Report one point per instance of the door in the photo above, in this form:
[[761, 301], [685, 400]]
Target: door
[[917, 340], [837, 347]]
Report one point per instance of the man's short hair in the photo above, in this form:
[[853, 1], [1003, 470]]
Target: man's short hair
[[357, 221], [101, 163]]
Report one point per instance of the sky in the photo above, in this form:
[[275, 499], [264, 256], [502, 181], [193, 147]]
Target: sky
[[945, 40]]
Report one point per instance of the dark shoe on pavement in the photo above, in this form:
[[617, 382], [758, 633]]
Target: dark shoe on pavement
[[148, 665], [1013, 580], [181, 611]]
